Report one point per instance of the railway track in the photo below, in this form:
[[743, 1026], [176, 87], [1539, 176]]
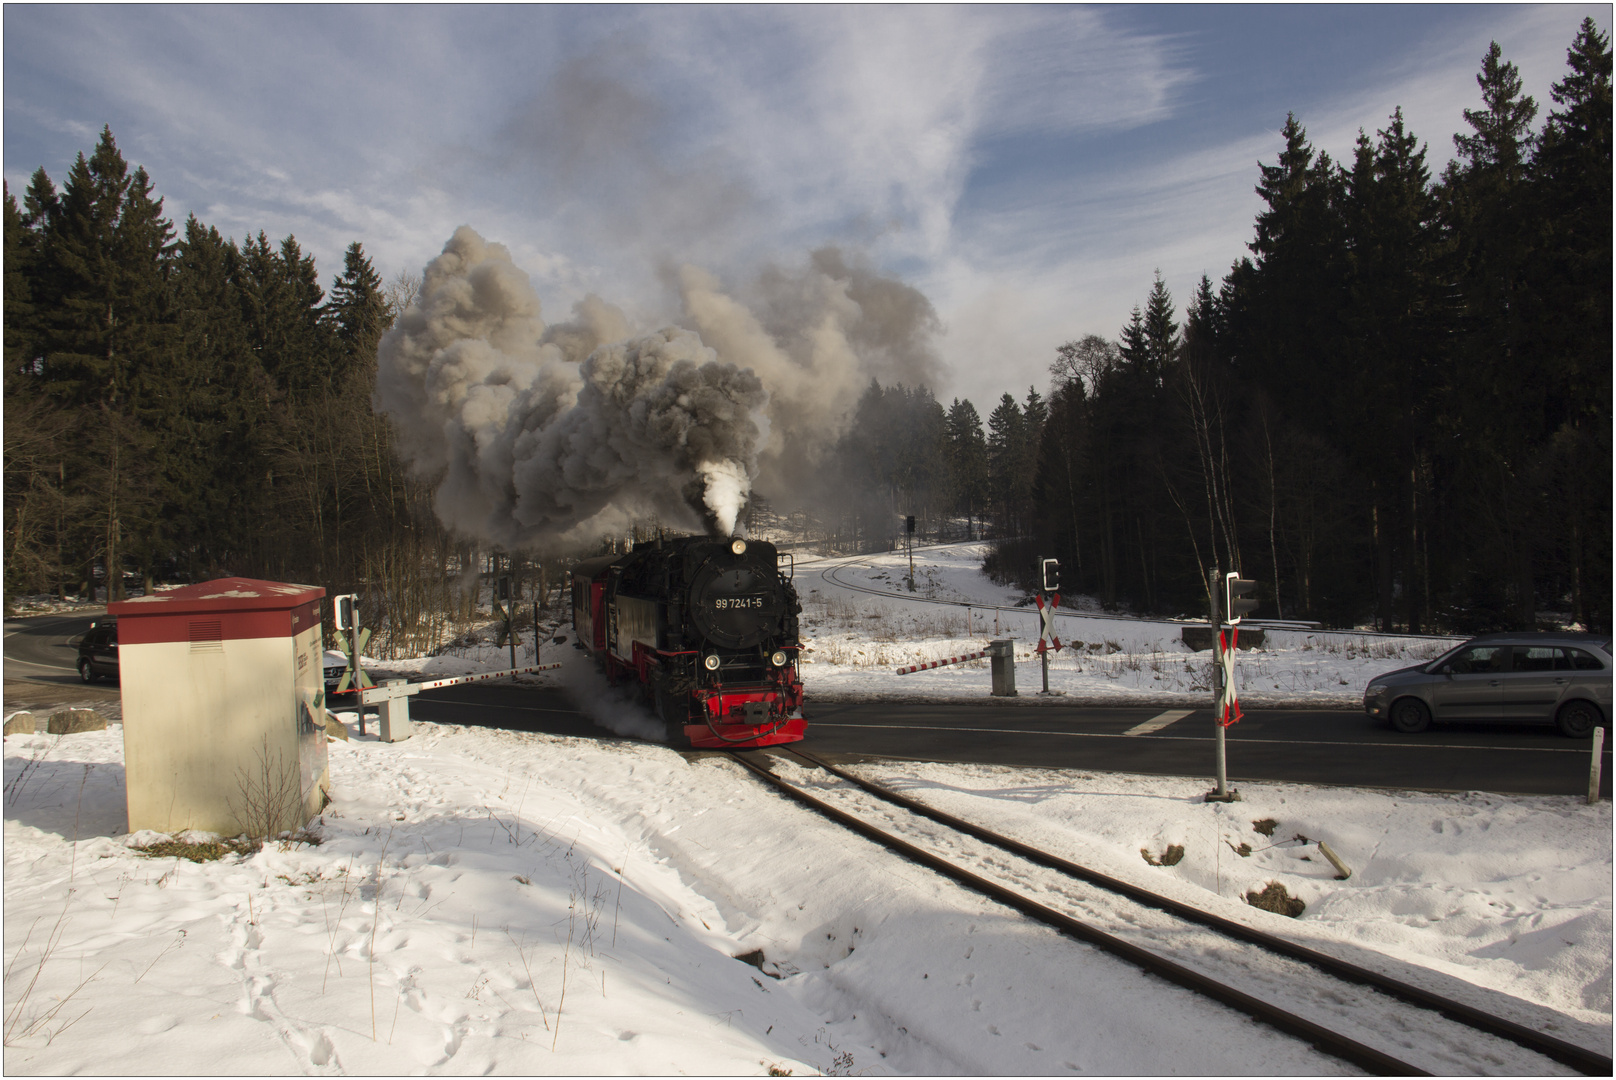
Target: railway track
[[1353, 1013]]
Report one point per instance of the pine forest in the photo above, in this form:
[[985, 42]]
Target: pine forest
[[1394, 412]]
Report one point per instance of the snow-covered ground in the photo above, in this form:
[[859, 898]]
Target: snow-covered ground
[[491, 901], [857, 640]]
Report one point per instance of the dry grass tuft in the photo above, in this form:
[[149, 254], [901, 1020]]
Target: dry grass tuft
[[1274, 898], [1171, 857], [197, 851]]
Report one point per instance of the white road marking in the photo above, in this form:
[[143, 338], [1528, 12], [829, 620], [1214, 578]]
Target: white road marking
[[1156, 723]]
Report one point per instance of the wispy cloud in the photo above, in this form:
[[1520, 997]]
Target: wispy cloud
[[1028, 167]]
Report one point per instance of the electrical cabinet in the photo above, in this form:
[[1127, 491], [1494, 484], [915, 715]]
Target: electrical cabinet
[[223, 707]]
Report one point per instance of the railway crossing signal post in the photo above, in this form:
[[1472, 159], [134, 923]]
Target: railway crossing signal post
[[1048, 601], [1233, 589], [507, 613], [1220, 793], [351, 639], [909, 544]]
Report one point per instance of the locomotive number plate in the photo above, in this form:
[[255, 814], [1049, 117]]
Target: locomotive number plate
[[738, 603]]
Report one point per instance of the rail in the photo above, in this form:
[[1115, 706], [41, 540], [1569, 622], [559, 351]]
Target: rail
[[1586, 1061]]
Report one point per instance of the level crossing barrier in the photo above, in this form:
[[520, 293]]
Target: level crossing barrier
[[392, 698]]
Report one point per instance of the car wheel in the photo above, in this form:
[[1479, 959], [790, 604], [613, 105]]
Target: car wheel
[[1410, 716], [84, 671], [1577, 719]]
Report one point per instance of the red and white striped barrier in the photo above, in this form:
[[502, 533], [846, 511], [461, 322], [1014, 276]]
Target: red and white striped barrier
[[959, 660], [942, 663], [479, 678], [370, 695]]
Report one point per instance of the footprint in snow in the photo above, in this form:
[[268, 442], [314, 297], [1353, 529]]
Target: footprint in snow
[[321, 1053]]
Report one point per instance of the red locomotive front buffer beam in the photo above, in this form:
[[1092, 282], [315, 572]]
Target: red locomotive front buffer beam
[[723, 710]]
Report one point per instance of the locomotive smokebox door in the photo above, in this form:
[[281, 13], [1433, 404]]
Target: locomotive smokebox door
[[734, 608]]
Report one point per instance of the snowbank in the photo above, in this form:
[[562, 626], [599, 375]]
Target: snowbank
[[495, 901]]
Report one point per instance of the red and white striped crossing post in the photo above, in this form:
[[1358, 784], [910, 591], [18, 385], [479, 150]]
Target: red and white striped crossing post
[[1050, 574], [1046, 615], [1226, 705]]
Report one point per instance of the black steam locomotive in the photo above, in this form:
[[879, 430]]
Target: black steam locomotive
[[707, 628]]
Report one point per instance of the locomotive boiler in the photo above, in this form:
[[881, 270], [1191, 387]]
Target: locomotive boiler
[[707, 629]]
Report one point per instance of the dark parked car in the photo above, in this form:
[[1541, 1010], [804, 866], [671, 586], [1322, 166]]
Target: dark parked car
[[1562, 677], [98, 652]]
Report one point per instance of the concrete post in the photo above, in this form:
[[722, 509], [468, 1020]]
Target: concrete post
[[1003, 661], [1596, 765], [1342, 871], [394, 713]]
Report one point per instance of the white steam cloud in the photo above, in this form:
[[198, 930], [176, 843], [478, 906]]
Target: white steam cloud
[[556, 434]]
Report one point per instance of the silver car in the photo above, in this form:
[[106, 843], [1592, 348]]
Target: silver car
[[1561, 677]]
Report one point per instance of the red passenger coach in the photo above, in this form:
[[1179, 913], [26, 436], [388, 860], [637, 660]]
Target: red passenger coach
[[707, 628]]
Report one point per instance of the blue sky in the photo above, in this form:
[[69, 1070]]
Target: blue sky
[[1028, 168]]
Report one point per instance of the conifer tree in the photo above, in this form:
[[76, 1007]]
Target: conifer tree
[[19, 309], [1160, 330], [1571, 320], [967, 462], [220, 518], [1134, 341], [104, 251], [1491, 215], [1006, 454], [359, 310], [1394, 345]]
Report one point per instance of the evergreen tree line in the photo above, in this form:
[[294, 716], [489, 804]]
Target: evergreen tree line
[[179, 405], [1396, 410], [905, 454]]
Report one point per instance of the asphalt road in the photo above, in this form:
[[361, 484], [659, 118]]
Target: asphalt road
[[44, 647], [1297, 745], [40, 656]]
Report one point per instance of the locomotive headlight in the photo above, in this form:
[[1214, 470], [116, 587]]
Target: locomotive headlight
[[711, 662], [779, 658], [738, 546]]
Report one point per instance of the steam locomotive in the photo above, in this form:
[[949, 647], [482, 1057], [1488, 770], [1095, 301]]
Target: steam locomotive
[[707, 628]]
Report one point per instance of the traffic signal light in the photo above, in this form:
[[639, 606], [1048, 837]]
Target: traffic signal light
[[346, 611], [1235, 589], [1051, 575], [909, 524]]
